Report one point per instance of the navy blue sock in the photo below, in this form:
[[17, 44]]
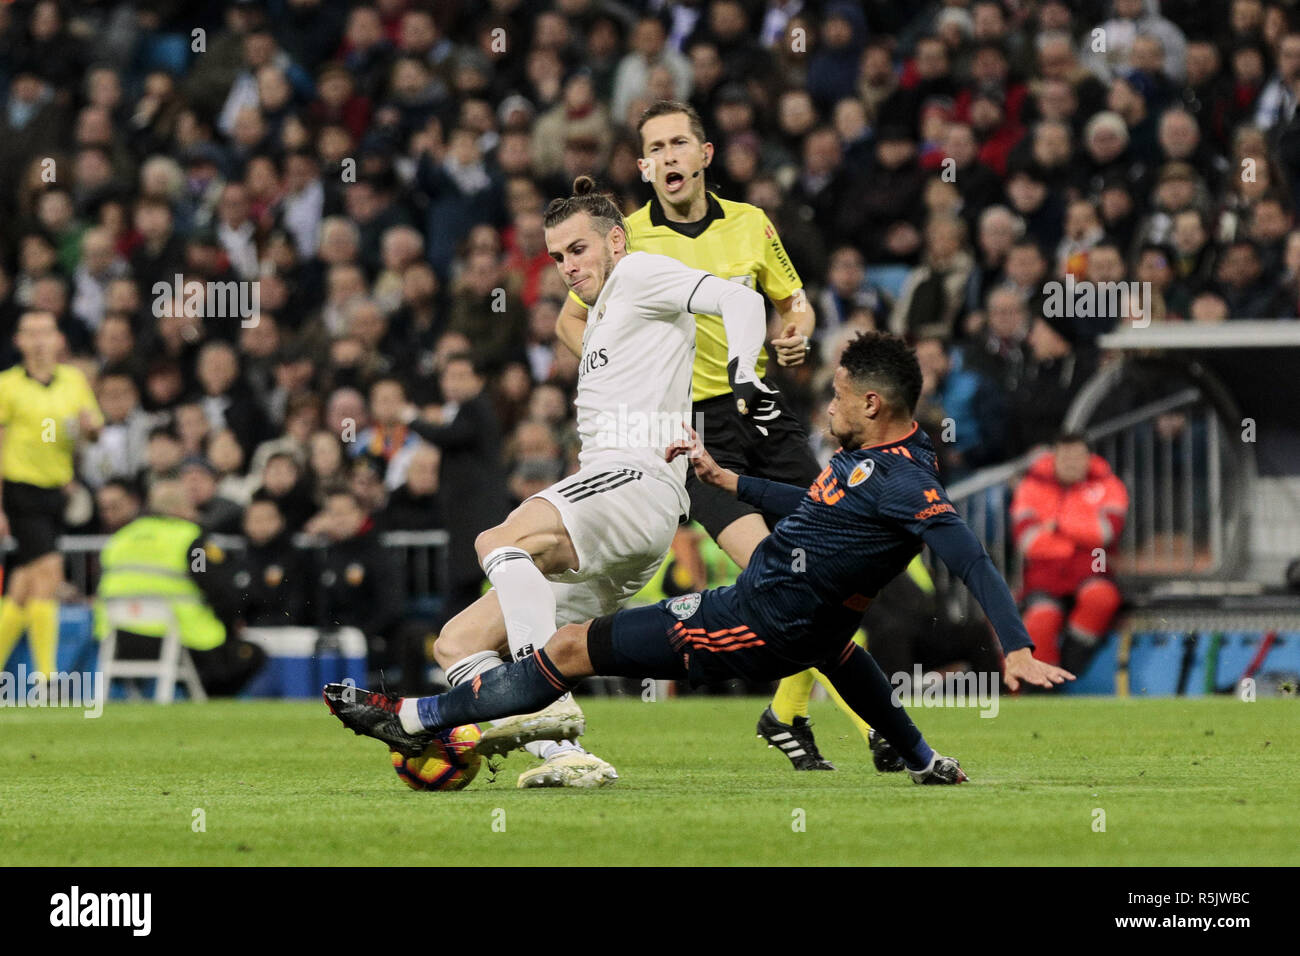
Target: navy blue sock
[[519, 688], [864, 687]]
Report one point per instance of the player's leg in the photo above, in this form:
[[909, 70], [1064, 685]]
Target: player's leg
[[860, 639], [867, 691], [782, 453], [42, 609], [13, 617], [516, 556], [470, 645], [883, 754], [631, 643]]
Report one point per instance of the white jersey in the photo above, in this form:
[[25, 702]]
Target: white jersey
[[634, 380]]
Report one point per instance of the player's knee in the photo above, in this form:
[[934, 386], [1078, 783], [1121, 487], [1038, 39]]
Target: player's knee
[[567, 650], [454, 643], [489, 540]]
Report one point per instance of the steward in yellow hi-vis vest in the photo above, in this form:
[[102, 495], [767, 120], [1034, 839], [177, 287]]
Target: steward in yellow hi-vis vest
[[46, 407], [166, 556], [152, 558]]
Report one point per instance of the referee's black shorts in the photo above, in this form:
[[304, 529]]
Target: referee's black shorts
[[782, 454], [35, 520]]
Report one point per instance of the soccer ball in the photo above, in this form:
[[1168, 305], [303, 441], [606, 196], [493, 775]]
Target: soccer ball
[[449, 763]]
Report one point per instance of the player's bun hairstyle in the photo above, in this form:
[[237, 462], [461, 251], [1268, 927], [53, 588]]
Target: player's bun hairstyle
[[599, 206], [884, 363]]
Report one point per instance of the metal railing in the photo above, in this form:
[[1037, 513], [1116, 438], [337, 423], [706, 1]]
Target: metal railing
[[1187, 483], [422, 555]]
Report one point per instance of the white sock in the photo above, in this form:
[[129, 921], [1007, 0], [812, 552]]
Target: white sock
[[469, 667], [527, 600], [410, 716], [545, 749], [457, 673]]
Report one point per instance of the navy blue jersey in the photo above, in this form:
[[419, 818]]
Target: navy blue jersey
[[849, 534]]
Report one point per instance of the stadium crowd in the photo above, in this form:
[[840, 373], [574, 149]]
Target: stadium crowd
[[379, 170]]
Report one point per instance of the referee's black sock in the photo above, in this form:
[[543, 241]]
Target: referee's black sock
[[864, 687], [519, 688]]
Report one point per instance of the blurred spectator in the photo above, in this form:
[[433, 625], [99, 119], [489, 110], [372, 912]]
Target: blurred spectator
[[882, 220], [465, 430], [118, 451], [357, 581], [1057, 367], [388, 437], [270, 574], [1240, 279], [493, 321], [932, 296], [162, 458], [215, 514], [284, 484], [1066, 513], [416, 505], [647, 48], [117, 503], [461, 191], [226, 399], [962, 408]]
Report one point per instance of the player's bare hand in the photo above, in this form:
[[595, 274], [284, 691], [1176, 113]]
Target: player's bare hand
[[791, 347], [706, 469], [1021, 666]]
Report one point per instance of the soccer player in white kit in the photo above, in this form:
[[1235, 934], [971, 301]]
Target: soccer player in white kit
[[585, 545]]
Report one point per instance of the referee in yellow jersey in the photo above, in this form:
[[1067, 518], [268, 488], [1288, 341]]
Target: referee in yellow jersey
[[736, 241], [45, 407]]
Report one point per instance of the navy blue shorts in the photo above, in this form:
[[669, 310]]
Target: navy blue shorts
[[698, 637]]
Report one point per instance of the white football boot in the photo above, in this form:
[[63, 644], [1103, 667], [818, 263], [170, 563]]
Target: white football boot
[[569, 768], [562, 720]]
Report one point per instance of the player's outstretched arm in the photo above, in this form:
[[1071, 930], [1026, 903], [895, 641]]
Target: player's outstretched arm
[[957, 547], [706, 469], [772, 497], [571, 324]]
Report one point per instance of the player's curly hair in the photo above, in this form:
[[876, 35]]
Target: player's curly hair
[[884, 363], [599, 206]]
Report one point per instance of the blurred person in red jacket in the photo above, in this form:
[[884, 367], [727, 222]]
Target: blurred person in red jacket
[[1067, 511]]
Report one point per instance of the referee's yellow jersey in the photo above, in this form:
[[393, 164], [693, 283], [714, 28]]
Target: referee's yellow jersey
[[40, 424], [735, 241]]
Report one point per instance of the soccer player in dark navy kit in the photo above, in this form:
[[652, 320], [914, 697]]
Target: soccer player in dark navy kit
[[798, 603]]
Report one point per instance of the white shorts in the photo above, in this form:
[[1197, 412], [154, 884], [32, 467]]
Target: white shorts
[[621, 522]]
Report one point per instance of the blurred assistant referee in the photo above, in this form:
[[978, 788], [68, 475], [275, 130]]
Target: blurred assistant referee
[[45, 408]]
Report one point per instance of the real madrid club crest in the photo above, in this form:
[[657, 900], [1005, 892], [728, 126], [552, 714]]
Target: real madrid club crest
[[684, 606], [862, 472]]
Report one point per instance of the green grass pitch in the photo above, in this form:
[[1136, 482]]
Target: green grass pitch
[[1180, 781]]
